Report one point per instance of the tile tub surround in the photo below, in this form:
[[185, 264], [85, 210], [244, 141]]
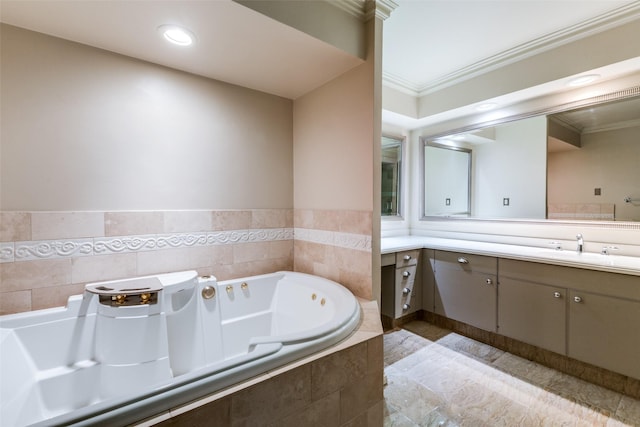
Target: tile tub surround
[[47, 256], [335, 244], [438, 377], [339, 386]]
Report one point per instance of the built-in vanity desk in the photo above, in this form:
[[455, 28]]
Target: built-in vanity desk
[[536, 302]]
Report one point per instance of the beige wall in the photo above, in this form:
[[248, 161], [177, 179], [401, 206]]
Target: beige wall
[[85, 129], [336, 145], [113, 167]]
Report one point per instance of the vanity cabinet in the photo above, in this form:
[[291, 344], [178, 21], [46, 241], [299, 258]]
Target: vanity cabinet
[[465, 288], [401, 284], [588, 315]]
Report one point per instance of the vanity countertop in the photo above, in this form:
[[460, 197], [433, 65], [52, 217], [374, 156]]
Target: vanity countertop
[[589, 260]]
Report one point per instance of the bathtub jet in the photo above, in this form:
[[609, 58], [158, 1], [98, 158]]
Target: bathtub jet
[[130, 349]]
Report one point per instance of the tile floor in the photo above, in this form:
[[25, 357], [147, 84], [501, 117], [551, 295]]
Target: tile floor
[[438, 378]]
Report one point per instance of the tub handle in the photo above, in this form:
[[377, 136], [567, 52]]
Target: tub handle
[[208, 292]]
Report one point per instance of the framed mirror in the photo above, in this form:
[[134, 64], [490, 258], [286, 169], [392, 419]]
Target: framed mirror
[[447, 179], [573, 162], [392, 161]]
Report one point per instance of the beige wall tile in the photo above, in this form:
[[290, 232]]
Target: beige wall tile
[[23, 275], [303, 218], [133, 223], [15, 226], [321, 413], [231, 220], [185, 221], [103, 267], [358, 396], [356, 222], [54, 296], [257, 406], [326, 220], [337, 370], [245, 252], [15, 302], [271, 218], [281, 249], [170, 260], [66, 225], [217, 412]]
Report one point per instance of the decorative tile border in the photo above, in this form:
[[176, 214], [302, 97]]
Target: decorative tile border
[[49, 249], [358, 242]]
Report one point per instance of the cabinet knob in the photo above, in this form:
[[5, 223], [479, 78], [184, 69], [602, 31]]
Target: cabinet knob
[[406, 274], [557, 295], [463, 260], [489, 282], [406, 291], [577, 299], [406, 306], [407, 257]]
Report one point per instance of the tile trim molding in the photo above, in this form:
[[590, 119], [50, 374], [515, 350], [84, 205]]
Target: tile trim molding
[[64, 248], [360, 242]]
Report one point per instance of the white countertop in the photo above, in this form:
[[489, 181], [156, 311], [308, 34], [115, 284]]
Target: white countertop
[[589, 260]]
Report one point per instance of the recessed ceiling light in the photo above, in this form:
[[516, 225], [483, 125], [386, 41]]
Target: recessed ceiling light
[[583, 80], [486, 106], [177, 35]]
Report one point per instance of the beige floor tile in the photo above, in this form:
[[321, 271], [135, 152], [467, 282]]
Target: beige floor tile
[[439, 378]]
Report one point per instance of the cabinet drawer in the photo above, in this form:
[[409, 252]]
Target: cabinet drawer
[[406, 258], [405, 276], [466, 262]]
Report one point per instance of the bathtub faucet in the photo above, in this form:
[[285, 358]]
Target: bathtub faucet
[[580, 242]]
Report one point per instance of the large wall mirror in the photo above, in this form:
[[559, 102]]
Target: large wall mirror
[[578, 162]]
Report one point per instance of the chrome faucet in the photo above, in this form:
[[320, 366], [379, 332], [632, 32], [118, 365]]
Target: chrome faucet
[[580, 242]]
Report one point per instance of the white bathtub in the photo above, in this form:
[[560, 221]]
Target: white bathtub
[[96, 363]]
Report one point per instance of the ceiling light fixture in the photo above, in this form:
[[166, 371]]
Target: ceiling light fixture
[[486, 106], [583, 80], [177, 35]]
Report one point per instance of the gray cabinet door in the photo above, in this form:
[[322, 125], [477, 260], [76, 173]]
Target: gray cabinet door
[[465, 288], [533, 313], [603, 331]]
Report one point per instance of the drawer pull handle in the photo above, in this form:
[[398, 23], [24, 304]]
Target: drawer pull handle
[[406, 291], [463, 260], [577, 299], [407, 257], [489, 282], [406, 307], [406, 274], [557, 295]]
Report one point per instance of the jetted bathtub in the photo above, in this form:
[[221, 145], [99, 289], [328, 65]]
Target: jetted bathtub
[[130, 349]]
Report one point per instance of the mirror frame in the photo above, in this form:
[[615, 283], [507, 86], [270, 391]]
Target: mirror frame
[[630, 92], [424, 143], [402, 177]]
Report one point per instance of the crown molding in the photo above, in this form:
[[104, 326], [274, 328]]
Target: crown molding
[[365, 10], [354, 8], [401, 85], [612, 19]]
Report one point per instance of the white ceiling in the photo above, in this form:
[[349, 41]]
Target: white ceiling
[[428, 42], [425, 41], [234, 43]]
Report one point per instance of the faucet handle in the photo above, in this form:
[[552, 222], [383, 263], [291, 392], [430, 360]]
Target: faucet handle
[[607, 249]]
